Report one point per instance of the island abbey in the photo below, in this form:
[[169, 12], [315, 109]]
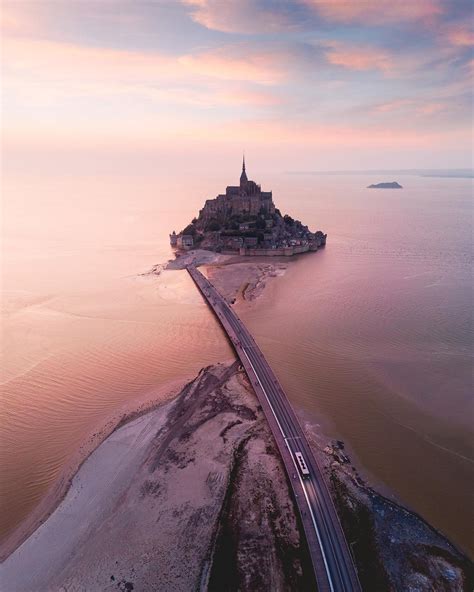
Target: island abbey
[[247, 198], [245, 220]]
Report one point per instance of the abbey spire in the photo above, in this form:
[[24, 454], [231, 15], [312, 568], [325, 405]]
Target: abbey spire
[[243, 176]]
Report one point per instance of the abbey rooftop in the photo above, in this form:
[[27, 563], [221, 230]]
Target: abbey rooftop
[[245, 220]]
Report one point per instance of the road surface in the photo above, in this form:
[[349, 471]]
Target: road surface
[[331, 558]]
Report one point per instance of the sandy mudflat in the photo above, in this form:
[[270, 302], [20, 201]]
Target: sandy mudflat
[[197, 257], [98, 434], [236, 277], [244, 279], [94, 496], [154, 504]]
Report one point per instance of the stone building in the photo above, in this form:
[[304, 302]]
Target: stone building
[[247, 198], [185, 241]]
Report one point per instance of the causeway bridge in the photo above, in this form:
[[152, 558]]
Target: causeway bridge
[[332, 561]]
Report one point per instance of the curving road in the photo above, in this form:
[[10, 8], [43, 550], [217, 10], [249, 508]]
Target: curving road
[[332, 561]]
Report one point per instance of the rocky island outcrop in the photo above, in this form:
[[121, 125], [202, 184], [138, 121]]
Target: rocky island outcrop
[[245, 221], [389, 185]]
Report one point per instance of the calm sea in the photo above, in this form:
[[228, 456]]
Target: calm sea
[[372, 337]]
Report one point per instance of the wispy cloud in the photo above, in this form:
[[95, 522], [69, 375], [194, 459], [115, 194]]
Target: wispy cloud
[[210, 96], [253, 16], [43, 80], [243, 16], [378, 12], [412, 106], [392, 106], [235, 63], [356, 57], [460, 35]]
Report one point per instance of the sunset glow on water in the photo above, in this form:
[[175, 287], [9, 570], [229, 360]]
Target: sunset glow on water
[[377, 327]]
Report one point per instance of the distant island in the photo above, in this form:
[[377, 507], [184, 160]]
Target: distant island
[[245, 221], [392, 185]]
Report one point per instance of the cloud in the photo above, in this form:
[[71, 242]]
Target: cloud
[[239, 96], [58, 18], [359, 57], [43, 80], [17, 19], [257, 16], [392, 105], [62, 63], [378, 12], [431, 108], [242, 16], [412, 107], [460, 35], [232, 95], [68, 61], [237, 63], [415, 66]]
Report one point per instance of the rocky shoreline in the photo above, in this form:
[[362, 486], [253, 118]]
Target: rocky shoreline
[[394, 548], [192, 495]]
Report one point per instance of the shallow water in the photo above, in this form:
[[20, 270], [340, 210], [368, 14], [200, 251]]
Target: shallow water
[[374, 333]]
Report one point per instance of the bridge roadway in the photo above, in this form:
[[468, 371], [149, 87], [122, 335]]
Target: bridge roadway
[[330, 555]]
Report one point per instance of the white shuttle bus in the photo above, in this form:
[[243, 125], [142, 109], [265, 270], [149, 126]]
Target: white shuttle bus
[[301, 464]]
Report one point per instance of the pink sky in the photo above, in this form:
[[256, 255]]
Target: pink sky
[[304, 84]]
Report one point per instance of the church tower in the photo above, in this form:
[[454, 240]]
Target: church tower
[[243, 176]]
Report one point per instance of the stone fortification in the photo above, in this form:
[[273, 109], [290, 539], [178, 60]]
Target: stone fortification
[[245, 220]]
